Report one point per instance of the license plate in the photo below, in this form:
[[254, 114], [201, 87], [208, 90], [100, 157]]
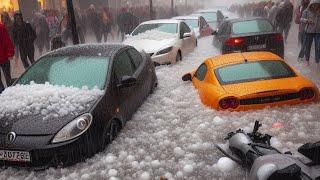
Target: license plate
[[257, 47], [19, 156]]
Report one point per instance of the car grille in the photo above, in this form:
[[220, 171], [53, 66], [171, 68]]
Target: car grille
[[269, 99]]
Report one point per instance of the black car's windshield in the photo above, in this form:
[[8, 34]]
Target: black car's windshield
[[209, 16], [253, 71], [252, 26], [68, 71], [163, 27]]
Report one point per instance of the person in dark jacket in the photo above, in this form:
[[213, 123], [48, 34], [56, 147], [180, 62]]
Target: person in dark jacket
[[24, 36], [284, 18], [298, 14], [6, 52], [94, 22], [106, 23], [126, 22]]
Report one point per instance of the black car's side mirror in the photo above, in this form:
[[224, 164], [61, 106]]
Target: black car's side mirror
[[214, 33], [127, 81], [187, 77]]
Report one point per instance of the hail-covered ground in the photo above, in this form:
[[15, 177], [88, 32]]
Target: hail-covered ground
[[173, 133]]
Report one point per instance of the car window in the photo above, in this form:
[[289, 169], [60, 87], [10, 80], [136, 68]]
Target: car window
[[123, 66], [252, 26], [185, 28], [203, 22], [68, 71], [201, 72], [253, 71], [135, 56]]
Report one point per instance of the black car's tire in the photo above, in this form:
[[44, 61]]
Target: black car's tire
[[113, 131], [178, 57]]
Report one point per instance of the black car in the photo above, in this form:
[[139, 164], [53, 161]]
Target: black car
[[251, 34], [123, 75]]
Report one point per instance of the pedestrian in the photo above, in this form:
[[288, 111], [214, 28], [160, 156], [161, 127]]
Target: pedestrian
[[106, 24], [311, 17], [24, 36], [94, 22], [298, 14], [6, 20], [284, 18], [273, 13], [41, 27], [6, 52], [126, 22], [53, 23]]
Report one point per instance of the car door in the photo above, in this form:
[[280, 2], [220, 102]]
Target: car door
[[123, 66], [198, 79], [222, 34], [142, 75], [187, 42], [205, 29]]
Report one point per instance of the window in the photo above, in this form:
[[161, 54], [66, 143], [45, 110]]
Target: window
[[201, 72], [253, 71], [252, 26], [123, 66], [69, 71], [185, 28], [135, 56], [203, 22]]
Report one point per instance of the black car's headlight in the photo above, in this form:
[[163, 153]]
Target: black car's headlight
[[73, 129], [164, 51]]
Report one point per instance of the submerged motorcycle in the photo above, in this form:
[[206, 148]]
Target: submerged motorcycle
[[254, 152]]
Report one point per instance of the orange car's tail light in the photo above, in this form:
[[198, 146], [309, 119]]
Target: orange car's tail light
[[306, 93], [229, 102], [234, 41]]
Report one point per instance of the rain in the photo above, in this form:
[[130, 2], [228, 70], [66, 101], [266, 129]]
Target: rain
[[172, 135]]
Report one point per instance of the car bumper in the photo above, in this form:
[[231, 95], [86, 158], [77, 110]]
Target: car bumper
[[276, 104], [50, 155]]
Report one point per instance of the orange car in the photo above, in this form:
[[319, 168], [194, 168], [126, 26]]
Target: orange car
[[250, 80]]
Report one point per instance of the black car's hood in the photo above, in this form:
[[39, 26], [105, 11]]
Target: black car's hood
[[43, 109], [37, 124]]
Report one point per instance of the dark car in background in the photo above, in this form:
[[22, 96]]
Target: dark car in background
[[124, 77], [250, 34]]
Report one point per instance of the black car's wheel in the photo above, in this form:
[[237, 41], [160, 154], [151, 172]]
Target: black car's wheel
[[178, 57], [113, 131]]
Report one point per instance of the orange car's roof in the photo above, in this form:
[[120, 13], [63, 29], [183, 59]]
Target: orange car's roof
[[235, 58]]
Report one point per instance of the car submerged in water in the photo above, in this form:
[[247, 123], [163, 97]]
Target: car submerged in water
[[71, 103], [167, 41], [250, 80]]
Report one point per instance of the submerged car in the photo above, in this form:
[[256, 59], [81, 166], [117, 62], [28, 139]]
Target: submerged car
[[198, 23], [166, 41], [250, 80], [71, 103], [250, 34]]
